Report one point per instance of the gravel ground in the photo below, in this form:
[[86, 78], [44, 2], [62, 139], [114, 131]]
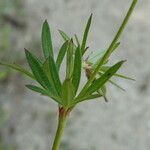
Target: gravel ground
[[121, 124]]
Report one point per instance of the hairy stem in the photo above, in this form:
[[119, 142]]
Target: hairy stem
[[63, 115]]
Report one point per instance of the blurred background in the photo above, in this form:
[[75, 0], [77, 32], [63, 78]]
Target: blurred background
[[28, 120]]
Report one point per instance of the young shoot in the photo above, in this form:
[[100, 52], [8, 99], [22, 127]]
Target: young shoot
[[67, 94]]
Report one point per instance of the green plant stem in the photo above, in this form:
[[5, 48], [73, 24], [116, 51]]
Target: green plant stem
[[109, 51], [60, 129]]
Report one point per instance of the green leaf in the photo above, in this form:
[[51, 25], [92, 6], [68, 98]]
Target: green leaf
[[18, 68], [67, 92], [61, 55], [54, 75], [84, 40], [98, 83], [64, 35], [46, 40], [38, 71], [69, 66], [77, 69], [43, 92]]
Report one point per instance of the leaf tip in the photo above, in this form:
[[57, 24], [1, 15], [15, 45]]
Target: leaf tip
[[26, 51], [45, 22], [91, 16]]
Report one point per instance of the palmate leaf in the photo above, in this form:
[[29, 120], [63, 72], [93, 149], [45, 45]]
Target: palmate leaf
[[18, 68], [38, 71], [43, 92], [47, 40], [98, 83], [61, 55], [77, 69], [84, 40]]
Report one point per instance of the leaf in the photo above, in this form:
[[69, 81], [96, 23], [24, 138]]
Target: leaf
[[77, 69], [83, 46], [61, 55], [43, 92], [46, 40], [64, 35], [69, 65], [98, 83], [67, 92], [54, 75], [18, 68], [38, 71]]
